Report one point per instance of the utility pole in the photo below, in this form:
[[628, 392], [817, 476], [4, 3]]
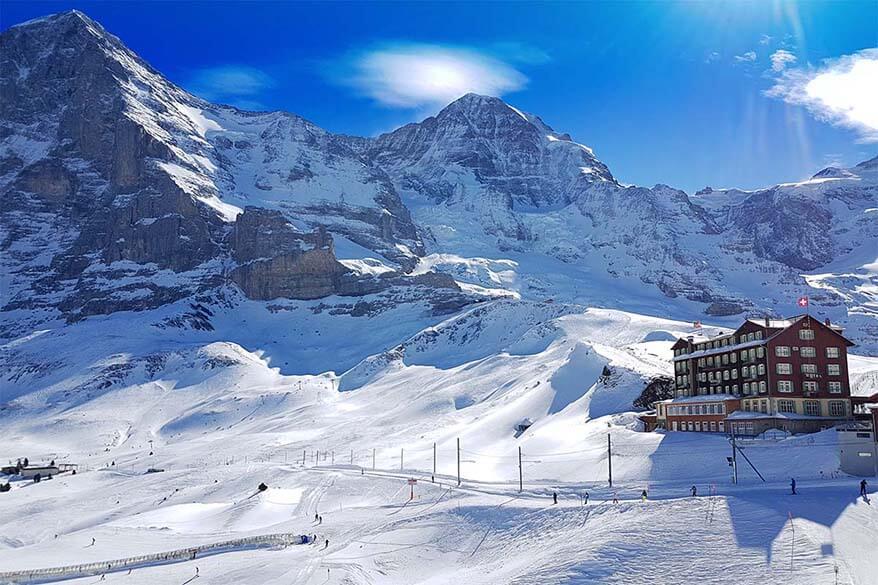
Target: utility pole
[[304, 456], [434, 459], [734, 460], [458, 460], [520, 472], [609, 460], [317, 457], [401, 458]]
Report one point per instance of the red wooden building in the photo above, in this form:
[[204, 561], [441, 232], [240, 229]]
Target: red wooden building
[[788, 374]]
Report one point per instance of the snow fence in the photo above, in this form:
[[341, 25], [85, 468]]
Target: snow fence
[[162, 558]]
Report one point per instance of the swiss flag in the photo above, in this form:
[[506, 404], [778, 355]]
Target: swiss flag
[[803, 302]]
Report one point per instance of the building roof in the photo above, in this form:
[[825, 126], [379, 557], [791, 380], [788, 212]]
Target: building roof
[[776, 326], [774, 323]]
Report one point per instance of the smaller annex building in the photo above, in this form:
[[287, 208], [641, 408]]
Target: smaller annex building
[[787, 374]]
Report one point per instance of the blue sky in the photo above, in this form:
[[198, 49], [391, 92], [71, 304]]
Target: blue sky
[[689, 94]]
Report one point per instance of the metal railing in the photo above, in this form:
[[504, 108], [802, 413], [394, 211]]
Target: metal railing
[[174, 556]]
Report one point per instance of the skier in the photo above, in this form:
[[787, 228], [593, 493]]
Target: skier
[[586, 498], [643, 496], [615, 498], [327, 544], [92, 541], [554, 497], [863, 488], [793, 485], [694, 491], [319, 519], [316, 517]]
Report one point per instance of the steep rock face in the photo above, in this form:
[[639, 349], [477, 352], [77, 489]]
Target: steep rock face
[[277, 261], [141, 182]]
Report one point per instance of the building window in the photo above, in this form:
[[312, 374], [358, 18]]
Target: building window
[[674, 425], [784, 386], [747, 406], [725, 359], [786, 406], [808, 352], [806, 334], [782, 351], [713, 426], [746, 387], [759, 352], [761, 369], [833, 369], [734, 374], [837, 408], [722, 427], [810, 386], [812, 407], [763, 406], [734, 357], [725, 374], [734, 388], [762, 387], [809, 368], [832, 352], [784, 368], [834, 387]]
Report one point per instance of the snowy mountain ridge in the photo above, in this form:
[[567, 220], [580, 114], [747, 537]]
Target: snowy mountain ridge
[[138, 186]]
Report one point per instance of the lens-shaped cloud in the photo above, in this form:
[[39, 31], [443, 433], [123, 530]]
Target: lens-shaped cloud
[[415, 76], [842, 91]]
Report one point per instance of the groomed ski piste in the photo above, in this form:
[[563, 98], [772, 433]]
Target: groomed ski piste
[[219, 412]]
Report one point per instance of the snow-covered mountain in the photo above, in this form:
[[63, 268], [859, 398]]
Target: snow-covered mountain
[[122, 191]]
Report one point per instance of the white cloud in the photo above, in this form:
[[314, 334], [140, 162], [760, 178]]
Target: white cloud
[[416, 76], [230, 83], [747, 57], [780, 59], [841, 91], [712, 57]]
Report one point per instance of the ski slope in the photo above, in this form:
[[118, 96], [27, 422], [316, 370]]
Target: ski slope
[[222, 410]]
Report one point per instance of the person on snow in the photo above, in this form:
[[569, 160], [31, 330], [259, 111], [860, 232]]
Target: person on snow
[[585, 498], [327, 544], [643, 496], [863, 485], [615, 498], [316, 517], [554, 497], [319, 519], [793, 485], [694, 491]]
